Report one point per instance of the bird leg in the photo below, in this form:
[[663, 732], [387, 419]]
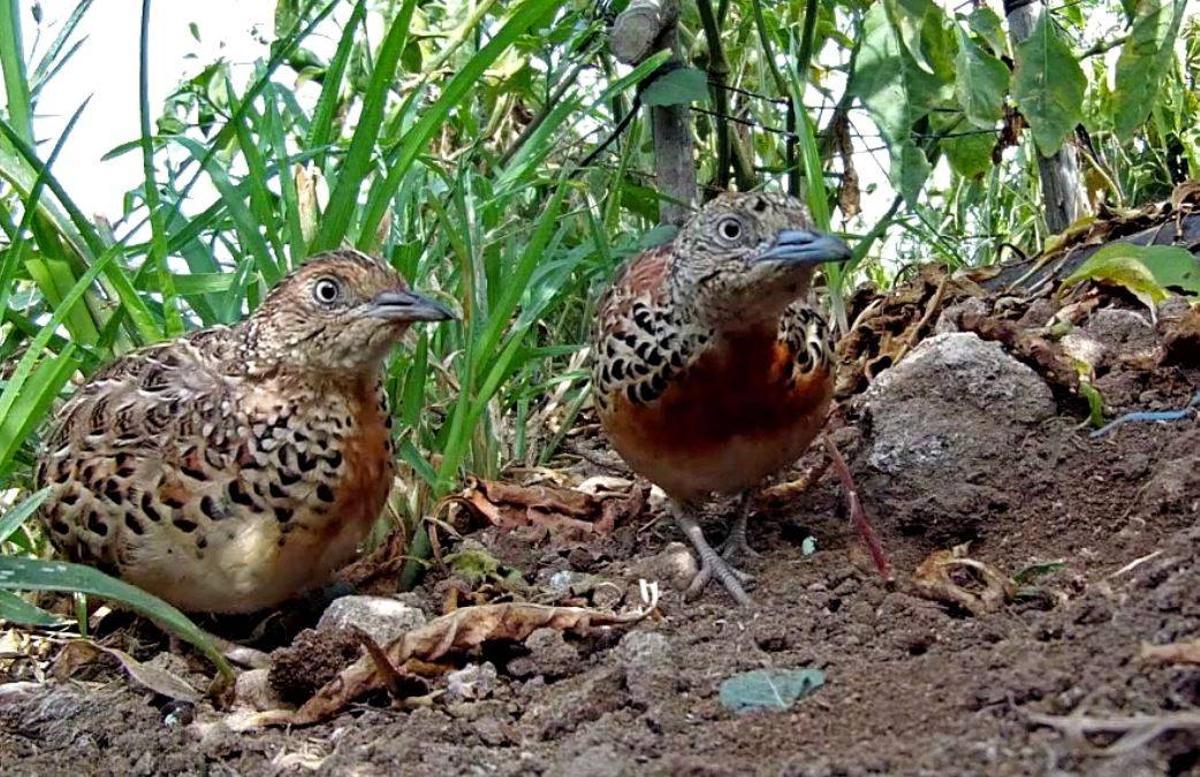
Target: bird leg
[[735, 544], [858, 515], [711, 563]]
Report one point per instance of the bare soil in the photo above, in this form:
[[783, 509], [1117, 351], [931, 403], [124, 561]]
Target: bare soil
[[914, 686]]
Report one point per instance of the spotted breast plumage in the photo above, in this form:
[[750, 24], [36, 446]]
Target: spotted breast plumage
[[711, 370], [234, 467]]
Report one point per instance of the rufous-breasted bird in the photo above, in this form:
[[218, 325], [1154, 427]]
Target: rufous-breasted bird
[[234, 467], [710, 369]]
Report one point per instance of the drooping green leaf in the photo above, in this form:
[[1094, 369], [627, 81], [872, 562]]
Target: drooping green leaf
[[31, 574], [1048, 86], [980, 83], [1145, 60], [1171, 267], [890, 83], [14, 609], [678, 87], [769, 689], [1124, 265], [910, 170], [986, 23]]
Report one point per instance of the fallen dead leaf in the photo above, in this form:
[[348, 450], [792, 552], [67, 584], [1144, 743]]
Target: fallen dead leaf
[[564, 513], [950, 577], [83, 652]]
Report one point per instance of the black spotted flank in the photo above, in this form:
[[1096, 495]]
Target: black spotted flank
[[148, 507], [184, 525], [324, 492], [133, 524], [96, 524], [210, 508], [238, 495], [283, 514]]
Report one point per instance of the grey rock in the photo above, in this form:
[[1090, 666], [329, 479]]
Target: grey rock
[[252, 689], [943, 433], [472, 682], [645, 658], [382, 618]]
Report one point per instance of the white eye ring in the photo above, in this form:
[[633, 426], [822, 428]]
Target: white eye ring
[[729, 229], [326, 291]]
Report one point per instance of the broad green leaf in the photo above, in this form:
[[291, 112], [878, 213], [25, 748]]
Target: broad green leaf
[[986, 23], [1173, 266], [1048, 86], [1169, 266], [1121, 264], [1145, 59], [910, 170], [678, 87], [969, 155], [980, 83], [890, 83], [769, 689], [30, 574], [14, 609]]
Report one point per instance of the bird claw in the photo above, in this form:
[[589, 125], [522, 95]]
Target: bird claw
[[735, 547], [730, 577]]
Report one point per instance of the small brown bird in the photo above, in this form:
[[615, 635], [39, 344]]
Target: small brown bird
[[710, 369], [232, 468]]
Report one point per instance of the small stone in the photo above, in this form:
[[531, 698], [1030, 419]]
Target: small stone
[[645, 658], [382, 618], [674, 565], [253, 689], [471, 683]]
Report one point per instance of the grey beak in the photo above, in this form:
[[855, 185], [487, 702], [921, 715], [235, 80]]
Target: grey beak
[[408, 306], [806, 246]]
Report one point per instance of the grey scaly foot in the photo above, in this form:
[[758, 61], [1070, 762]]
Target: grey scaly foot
[[712, 565], [735, 545]]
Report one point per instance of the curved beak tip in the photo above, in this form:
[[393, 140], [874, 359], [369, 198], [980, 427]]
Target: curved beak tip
[[409, 306], [806, 246]]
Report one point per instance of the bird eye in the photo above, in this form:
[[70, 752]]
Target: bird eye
[[730, 229], [327, 291]]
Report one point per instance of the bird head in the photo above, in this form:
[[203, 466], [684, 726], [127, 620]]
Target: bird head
[[746, 256], [341, 312]]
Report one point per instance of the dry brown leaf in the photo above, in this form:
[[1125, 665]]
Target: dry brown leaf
[[464, 629], [83, 652], [945, 575], [565, 513]]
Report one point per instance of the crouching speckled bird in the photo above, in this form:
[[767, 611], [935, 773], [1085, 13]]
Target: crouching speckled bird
[[235, 467], [710, 370]]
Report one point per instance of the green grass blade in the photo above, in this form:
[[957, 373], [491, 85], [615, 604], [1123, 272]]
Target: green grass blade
[[158, 242], [12, 62], [321, 128], [527, 15], [14, 609], [19, 513], [14, 255], [247, 226], [344, 199], [28, 574], [29, 406]]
